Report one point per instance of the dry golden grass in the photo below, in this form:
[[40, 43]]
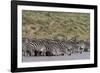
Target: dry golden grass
[[40, 24]]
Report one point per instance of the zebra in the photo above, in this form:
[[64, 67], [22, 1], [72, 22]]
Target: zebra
[[68, 47], [32, 47], [81, 46], [52, 48], [84, 46], [48, 45], [38, 47], [62, 46], [26, 48], [57, 49]]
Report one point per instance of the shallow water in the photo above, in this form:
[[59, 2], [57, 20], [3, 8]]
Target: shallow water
[[76, 56]]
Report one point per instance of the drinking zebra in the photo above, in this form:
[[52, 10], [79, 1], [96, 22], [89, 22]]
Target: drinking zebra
[[52, 47]]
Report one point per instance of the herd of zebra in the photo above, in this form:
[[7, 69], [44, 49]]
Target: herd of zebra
[[53, 47]]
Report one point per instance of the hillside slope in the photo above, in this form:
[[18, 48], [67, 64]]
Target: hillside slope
[[42, 24]]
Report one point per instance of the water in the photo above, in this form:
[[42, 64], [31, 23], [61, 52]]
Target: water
[[76, 56]]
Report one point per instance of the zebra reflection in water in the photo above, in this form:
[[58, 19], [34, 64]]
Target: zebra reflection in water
[[53, 47]]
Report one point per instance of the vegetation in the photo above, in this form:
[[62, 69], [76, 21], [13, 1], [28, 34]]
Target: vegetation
[[44, 24]]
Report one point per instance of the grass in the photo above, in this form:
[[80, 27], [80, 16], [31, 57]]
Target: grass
[[44, 24]]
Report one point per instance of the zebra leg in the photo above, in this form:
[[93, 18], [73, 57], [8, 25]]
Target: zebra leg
[[69, 51], [23, 53], [28, 53], [35, 52], [32, 53], [81, 50]]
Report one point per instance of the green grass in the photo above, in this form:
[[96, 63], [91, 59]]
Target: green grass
[[42, 24]]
